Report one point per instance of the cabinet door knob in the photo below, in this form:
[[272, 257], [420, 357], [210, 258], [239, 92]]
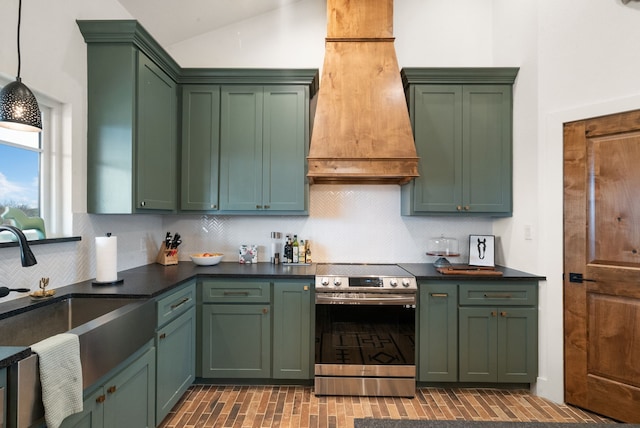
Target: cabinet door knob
[[459, 208], [111, 389], [467, 208], [214, 206], [266, 207], [258, 207], [494, 313], [101, 399], [162, 336], [265, 311], [503, 314], [142, 203]]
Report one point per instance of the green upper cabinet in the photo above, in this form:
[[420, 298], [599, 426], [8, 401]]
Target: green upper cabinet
[[132, 115], [263, 147], [244, 133], [200, 147], [462, 124]]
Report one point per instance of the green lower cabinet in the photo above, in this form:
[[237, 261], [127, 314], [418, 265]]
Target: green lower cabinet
[[236, 341], [176, 361], [438, 332], [498, 344], [125, 400], [292, 355]]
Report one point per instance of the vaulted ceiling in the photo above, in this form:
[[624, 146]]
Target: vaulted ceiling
[[171, 22]]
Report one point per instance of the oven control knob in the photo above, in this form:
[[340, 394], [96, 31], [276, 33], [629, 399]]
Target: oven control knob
[[406, 282], [324, 281], [337, 282], [393, 282]]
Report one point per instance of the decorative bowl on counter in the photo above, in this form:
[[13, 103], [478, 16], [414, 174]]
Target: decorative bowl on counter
[[206, 259]]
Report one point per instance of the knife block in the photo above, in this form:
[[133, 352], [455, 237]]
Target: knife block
[[167, 256]]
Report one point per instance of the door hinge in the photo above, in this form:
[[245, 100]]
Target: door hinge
[[577, 277]]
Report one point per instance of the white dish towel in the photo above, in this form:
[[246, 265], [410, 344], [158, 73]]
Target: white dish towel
[[60, 376]]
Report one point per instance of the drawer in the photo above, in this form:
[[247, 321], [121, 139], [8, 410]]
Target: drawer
[[498, 294], [236, 291], [175, 303]]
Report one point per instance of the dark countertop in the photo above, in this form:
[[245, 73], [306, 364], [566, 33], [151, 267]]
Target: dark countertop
[[426, 271], [152, 280], [148, 281]]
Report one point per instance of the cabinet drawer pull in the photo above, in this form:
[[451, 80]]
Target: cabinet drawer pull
[[162, 336], [101, 399], [236, 293], [497, 296], [503, 314], [180, 303], [111, 389], [439, 294], [494, 313]]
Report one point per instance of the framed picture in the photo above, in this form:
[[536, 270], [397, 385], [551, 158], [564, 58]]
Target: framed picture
[[482, 250]]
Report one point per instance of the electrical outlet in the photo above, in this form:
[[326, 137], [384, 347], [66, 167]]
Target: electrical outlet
[[528, 233]]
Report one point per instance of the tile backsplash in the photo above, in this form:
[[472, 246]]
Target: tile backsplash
[[346, 223]]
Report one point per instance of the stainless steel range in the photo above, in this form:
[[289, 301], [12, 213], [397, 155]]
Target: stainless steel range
[[365, 330]]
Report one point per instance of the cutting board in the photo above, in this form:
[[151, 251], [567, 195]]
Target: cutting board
[[469, 272]]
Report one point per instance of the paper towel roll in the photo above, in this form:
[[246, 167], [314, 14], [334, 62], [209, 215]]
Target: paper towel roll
[[106, 258]]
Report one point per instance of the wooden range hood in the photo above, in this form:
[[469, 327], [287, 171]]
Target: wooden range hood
[[362, 131]]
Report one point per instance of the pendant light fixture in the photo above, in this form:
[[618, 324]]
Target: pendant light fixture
[[19, 108]]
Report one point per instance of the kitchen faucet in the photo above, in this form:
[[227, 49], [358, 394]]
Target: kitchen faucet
[[28, 259]]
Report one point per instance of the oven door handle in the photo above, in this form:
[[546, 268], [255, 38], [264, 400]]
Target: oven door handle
[[369, 299]]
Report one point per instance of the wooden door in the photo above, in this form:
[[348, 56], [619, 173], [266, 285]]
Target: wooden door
[[602, 243]]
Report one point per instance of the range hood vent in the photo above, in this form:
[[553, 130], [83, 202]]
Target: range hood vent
[[362, 131]]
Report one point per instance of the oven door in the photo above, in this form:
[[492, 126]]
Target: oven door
[[365, 346]]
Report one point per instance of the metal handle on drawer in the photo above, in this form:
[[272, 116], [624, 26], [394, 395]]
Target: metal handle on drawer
[[439, 294], [497, 296], [180, 303], [236, 293]]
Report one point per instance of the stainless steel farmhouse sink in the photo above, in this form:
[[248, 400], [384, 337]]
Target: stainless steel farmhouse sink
[[109, 330]]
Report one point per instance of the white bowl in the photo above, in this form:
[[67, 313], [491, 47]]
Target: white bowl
[[206, 259]]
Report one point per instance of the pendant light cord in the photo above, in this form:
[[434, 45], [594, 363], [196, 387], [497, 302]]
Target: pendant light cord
[[18, 37]]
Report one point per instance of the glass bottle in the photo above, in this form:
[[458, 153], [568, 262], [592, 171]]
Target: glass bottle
[[296, 249]]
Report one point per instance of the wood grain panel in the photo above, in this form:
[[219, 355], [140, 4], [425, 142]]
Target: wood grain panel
[[359, 18], [614, 348], [614, 233], [575, 208]]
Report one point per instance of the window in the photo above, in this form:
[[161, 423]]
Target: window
[[20, 177], [35, 169]]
